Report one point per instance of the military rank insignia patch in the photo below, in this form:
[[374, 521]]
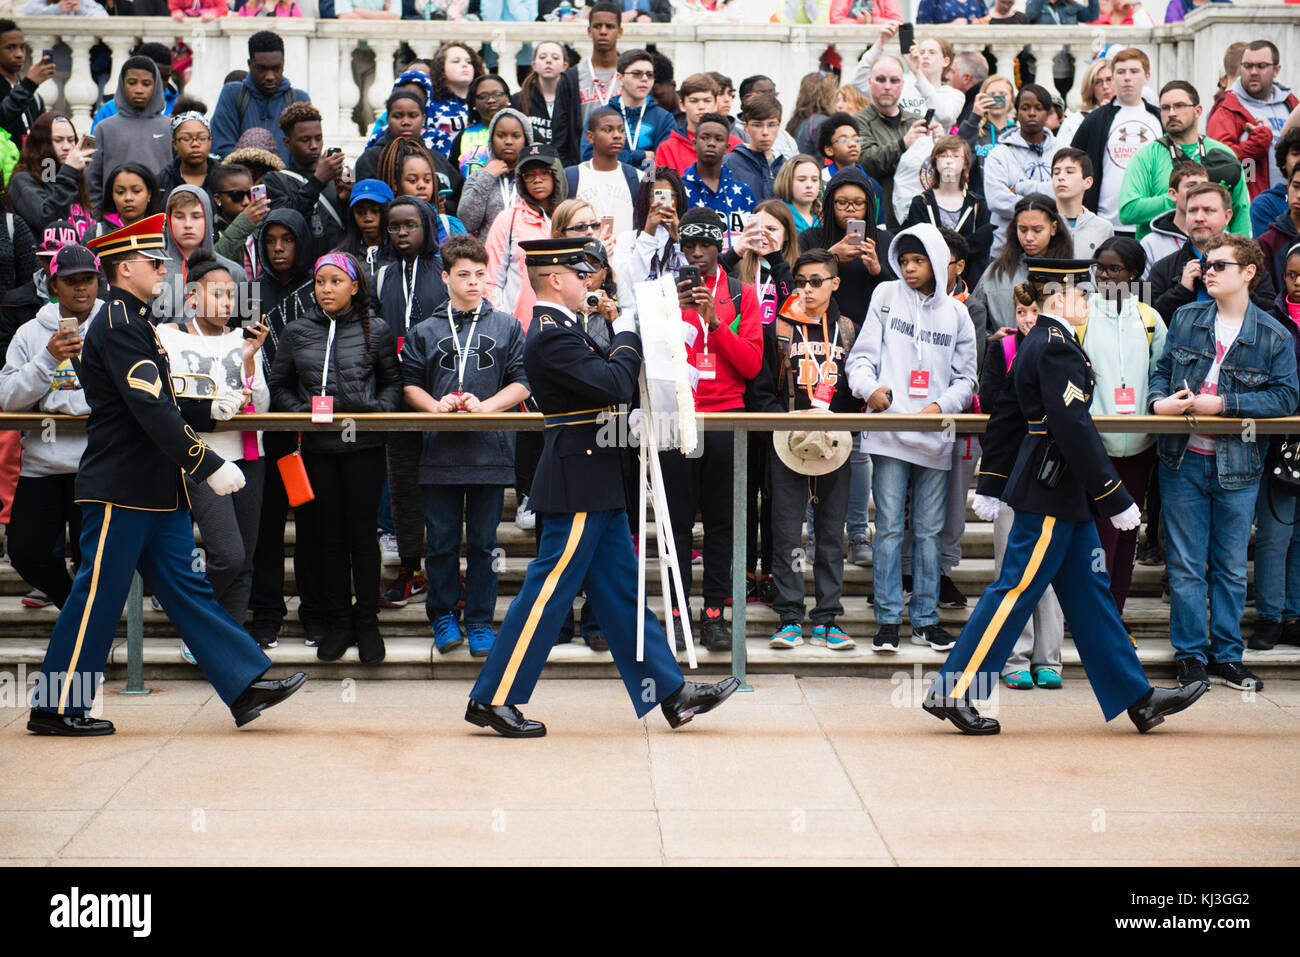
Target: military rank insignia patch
[[1071, 393], [144, 376]]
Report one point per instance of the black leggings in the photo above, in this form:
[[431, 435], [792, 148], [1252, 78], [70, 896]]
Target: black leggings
[[43, 513]]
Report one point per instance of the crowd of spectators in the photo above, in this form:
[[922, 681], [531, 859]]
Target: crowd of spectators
[[858, 243]]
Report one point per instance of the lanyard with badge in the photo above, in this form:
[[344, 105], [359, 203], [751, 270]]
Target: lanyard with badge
[[634, 138], [462, 355], [823, 390], [766, 294], [409, 289], [918, 380], [706, 363], [508, 193], [1125, 396], [322, 406]]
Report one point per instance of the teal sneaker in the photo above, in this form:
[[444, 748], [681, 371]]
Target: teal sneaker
[[832, 637], [788, 635], [446, 633], [1047, 678], [1020, 680]]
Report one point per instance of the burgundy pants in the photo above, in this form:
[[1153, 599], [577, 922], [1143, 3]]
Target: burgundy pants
[[1120, 547]]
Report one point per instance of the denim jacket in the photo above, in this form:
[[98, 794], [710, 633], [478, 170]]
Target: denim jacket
[[1257, 380]]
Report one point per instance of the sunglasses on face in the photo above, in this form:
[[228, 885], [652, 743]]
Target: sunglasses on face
[[583, 228], [814, 281], [1219, 265], [236, 195]]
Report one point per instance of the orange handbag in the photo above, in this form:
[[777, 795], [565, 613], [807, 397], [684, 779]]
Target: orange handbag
[[293, 472]]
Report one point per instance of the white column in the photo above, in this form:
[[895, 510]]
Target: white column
[[383, 83], [80, 89], [349, 94]]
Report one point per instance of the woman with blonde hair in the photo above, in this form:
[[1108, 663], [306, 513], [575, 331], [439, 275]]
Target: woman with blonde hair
[[993, 115], [1097, 88], [799, 186], [849, 99]]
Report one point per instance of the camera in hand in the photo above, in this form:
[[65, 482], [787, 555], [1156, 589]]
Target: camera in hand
[[591, 301]]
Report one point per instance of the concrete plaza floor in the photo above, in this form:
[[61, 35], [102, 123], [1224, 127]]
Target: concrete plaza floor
[[808, 770]]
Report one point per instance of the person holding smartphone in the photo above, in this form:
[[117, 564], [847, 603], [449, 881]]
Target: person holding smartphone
[[651, 248], [40, 374], [206, 344]]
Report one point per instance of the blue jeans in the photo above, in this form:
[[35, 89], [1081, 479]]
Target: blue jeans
[[444, 507], [890, 480], [1277, 554], [1206, 527], [859, 494]]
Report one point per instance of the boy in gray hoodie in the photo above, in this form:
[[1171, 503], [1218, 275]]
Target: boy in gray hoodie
[[138, 133], [915, 355], [189, 227], [39, 375]]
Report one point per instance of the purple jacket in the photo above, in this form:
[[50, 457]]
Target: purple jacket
[[1178, 10]]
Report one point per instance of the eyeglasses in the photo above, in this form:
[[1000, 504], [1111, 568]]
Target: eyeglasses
[[1257, 66], [768, 127], [236, 195], [191, 139], [850, 204], [814, 281], [158, 264], [583, 228], [490, 95], [846, 140], [1114, 269], [398, 229], [1171, 107], [640, 74], [1219, 265], [536, 172]]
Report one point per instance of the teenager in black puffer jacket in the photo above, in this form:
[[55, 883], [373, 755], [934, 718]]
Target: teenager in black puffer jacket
[[336, 544]]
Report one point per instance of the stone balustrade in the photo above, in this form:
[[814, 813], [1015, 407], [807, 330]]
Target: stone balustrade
[[320, 54]]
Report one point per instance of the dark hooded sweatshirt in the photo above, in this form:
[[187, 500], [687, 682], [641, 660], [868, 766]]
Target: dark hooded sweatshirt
[[141, 136], [299, 189], [284, 299], [407, 293], [856, 283]]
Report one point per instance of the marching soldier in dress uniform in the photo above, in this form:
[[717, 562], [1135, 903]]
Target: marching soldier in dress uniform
[[586, 540], [1057, 477], [135, 510]]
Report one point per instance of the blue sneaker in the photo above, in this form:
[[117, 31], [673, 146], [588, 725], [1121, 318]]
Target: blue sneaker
[[480, 640], [787, 636], [832, 637], [446, 633]]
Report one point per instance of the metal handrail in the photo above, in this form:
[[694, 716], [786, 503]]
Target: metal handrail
[[740, 423]]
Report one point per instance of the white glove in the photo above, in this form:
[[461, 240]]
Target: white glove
[[227, 479], [227, 405], [1128, 519], [986, 507], [636, 425], [626, 322]]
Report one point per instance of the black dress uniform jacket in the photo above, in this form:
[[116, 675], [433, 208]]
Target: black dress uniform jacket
[[1049, 391], [139, 437], [575, 384]]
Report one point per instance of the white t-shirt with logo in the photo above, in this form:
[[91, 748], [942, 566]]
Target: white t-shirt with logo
[[1225, 334], [608, 195], [1131, 129]]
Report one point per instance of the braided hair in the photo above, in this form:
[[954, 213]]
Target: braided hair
[[392, 160]]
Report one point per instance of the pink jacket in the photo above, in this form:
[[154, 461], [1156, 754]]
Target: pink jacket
[[194, 8], [882, 11], [274, 8], [507, 283]]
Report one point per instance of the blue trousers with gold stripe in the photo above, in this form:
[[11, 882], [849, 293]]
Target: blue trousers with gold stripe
[[591, 550], [115, 542], [1041, 551]]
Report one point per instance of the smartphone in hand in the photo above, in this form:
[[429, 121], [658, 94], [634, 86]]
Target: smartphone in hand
[[906, 38], [855, 230], [689, 274]]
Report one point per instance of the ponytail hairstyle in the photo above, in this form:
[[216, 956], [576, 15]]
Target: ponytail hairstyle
[[1060, 246], [392, 160]]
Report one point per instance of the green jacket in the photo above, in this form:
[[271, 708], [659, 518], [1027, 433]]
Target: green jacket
[[230, 240], [1144, 193], [882, 148]]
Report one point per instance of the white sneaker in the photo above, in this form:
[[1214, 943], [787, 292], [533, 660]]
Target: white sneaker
[[187, 654], [524, 516], [388, 549]]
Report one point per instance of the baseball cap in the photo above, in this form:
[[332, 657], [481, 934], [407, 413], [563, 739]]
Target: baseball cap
[[55, 236], [74, 259], [538, 154], [375, 190]]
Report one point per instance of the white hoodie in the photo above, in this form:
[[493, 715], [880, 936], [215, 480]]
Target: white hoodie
[[906, 331], [33, 380]]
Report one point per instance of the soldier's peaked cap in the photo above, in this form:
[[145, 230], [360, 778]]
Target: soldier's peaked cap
[[144, 237], [571, 253], [1043, 271]]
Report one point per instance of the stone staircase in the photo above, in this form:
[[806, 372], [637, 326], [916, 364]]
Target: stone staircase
[[24, 631]]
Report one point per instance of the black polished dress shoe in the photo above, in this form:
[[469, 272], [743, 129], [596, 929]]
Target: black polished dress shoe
[[67, 725], [506, 720], [261, 695], [1158, 703], [961, 713], [693, 698]]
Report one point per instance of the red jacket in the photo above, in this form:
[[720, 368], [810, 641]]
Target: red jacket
[[678, 151], [1227, 124], [739, 353]]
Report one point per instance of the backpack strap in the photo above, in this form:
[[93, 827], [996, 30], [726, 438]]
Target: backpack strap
[[1148, 323], [736, 289], [784, 345], [379, 279]]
